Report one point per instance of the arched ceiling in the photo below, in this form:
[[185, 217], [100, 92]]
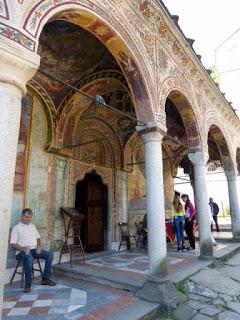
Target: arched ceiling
[[71, 53]]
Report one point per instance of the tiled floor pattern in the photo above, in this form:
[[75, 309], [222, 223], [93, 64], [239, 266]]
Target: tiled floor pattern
[[70, 299], [76, 299], [131, 262]]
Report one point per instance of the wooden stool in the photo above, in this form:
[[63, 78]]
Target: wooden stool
[[20, 264]]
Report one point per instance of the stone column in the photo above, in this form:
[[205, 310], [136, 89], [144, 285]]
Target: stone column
[[16, 68], [234, 202], [199, 160], [157, 288]]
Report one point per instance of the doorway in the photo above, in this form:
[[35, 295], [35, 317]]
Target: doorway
[[92, 201]]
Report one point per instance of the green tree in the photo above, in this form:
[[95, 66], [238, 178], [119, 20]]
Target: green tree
[[214, 74]]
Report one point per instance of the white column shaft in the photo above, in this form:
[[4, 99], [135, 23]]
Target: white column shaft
[[234, 204], [201, 202], [157, 250], [10, 109]]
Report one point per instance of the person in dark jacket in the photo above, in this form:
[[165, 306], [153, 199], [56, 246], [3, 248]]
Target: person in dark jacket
[[214, 210]]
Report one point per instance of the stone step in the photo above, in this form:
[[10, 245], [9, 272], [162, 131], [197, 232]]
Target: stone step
[[115, 280]]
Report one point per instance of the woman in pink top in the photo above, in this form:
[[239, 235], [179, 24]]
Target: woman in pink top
[[190, 213]]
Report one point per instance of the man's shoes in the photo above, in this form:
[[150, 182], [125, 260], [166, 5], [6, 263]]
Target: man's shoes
[[48, 282], [27, 289]]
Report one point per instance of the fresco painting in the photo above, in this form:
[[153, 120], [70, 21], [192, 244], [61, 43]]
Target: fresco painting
[[137, 190], [23, 139]]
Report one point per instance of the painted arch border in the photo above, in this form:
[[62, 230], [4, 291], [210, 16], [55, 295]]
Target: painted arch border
[[210, 119], [127, 40], [173, 83]]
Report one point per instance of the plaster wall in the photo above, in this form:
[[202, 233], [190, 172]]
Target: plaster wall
[[37, 188]]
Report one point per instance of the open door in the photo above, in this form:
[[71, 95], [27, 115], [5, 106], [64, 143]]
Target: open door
[[91, 198]]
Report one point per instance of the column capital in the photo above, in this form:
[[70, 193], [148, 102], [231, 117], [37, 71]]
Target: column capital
[[17, 66], [230, 174], [152, 131], [199, 157]]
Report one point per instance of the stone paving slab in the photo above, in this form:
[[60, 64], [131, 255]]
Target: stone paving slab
[[213, 280], [234, 306], [228, 315], [184, 312], [201, 317], [234, 261], [209, 311], [231, 272]]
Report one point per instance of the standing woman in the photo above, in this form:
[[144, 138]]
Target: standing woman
[[178, 213], [190, 213]]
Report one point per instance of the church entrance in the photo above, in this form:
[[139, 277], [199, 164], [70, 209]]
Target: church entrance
[[91, 200]]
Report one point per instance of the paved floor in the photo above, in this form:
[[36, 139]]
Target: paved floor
[[70, 299], [78, 299]]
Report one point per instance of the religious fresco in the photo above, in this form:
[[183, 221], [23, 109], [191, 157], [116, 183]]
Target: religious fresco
[[219, 139], [137, 181], [187, 118], [69, 130], [136, 190], [37, 195], [23, 140]]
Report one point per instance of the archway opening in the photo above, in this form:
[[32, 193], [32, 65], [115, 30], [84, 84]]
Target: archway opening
[[219, 164], [92, 200], [181, 124]]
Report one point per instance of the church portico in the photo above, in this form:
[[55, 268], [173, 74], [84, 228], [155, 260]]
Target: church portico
[[118, 103]]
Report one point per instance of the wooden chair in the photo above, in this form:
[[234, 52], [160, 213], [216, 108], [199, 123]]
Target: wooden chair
[[125, 236], [20, 264]]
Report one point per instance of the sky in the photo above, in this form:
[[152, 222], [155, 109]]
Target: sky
[[210, 23]]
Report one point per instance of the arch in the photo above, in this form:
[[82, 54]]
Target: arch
[[223, 147], [131, 144], [238, 159], [98, 21], [94, 79], [102, 130], [210, 120], [48, 108], [96, 76], [186, 111]]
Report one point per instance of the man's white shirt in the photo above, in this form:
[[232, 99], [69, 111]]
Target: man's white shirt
[[25, 235]]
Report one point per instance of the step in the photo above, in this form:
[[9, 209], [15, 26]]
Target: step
[[109, 278]]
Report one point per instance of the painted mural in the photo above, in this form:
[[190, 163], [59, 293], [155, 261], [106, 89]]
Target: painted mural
[[136, 181], [37, 197], [22, 149]]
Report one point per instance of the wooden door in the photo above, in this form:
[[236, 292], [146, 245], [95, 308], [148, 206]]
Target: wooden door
[[95, 219]]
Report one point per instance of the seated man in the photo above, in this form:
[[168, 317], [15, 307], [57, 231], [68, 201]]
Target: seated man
[[25, 239]]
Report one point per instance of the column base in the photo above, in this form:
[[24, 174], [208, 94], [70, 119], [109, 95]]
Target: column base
[[236, 235], [206, 249], [161, 291]]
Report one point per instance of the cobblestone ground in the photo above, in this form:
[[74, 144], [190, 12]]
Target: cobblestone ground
[[212, 294]]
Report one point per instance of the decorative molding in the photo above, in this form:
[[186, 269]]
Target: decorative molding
[[17, 36], [4, 10], [42, 9]]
